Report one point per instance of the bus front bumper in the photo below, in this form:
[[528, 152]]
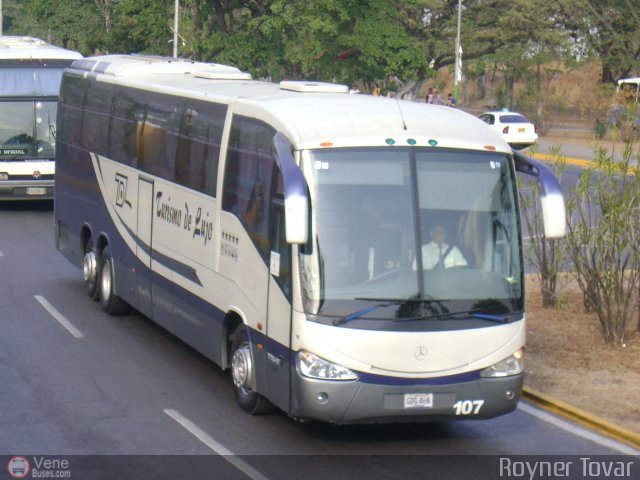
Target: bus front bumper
[[26, 190], [397, 400]]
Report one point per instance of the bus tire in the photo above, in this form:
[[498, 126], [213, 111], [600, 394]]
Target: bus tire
[[90, 270], [243, 376], [110, 302]]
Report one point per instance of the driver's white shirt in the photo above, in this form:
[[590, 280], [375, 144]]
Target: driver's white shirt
[[431, 253]]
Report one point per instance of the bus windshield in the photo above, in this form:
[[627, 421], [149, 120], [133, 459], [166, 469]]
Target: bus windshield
[[433, 229], [27, 129]]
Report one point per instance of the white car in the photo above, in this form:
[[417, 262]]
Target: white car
[[514, 127]]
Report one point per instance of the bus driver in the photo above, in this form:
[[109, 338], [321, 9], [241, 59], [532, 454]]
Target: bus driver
[[438, 253]]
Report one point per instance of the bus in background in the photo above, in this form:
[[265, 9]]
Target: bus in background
[[285, 231], [31, 72]]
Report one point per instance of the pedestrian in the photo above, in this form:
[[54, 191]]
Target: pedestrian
[[451, 101], [430, 95], [435, 99]]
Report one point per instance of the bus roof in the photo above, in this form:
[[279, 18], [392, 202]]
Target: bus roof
[[310, 114], [15, 48]]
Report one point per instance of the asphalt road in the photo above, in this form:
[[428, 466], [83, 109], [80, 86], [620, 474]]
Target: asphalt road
[[77, 382]]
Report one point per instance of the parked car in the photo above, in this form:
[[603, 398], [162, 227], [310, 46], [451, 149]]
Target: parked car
[[514, 127]]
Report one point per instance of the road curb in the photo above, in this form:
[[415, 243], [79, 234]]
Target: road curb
[[579, 162], [582, 417]]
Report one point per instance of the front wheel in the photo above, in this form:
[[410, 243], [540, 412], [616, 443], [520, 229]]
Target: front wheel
[[243, 376], [110, 302]]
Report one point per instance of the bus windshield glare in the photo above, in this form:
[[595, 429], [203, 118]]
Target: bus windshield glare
[[411, 234], [27, 129]]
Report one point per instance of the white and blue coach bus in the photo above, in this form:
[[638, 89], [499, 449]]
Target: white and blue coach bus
[[30, 72], [282, 230]]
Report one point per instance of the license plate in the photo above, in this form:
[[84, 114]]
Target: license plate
[[522, 130], [36, 190], [418, 400]]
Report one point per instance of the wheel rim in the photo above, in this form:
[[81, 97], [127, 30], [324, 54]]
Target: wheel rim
[[89, 267], [105, 281], [242, 367]]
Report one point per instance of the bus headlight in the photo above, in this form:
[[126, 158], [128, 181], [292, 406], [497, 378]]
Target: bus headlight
[[312, 366], [512, 365]]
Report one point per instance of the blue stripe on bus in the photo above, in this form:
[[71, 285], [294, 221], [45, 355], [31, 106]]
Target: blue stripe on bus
[[177, 267], [397, 381]]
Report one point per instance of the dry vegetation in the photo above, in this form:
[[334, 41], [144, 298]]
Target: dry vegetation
[[568, 359]]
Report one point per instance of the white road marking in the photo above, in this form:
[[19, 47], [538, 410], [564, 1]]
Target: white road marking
[[214, 445], [62, 320], [1, 254], [577, 431]]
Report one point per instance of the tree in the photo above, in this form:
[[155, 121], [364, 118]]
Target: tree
[[608, 28], [138, 27], [73, 24]]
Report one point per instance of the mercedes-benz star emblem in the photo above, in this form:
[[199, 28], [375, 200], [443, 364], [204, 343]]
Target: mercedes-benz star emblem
[[420, 353]]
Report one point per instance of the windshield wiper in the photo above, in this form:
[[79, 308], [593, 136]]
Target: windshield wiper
[[359, 313], [384, 302], [491, 318], [474, 313]]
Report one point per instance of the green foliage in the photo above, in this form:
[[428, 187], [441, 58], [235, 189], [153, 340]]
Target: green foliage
[[604, 241]]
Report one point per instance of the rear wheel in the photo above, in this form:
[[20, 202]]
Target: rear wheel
[[243, 376], [90, 270], [110, 302]]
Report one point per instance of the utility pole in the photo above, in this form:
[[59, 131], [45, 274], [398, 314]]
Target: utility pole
[[1, 18], [458, 70], [175, 29]]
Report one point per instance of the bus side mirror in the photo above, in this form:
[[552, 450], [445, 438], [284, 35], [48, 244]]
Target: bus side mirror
[[296, 214], [551, 199], [296, 204]]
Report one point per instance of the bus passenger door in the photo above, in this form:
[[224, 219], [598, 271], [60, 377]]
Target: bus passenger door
[[279, 303], [143, 246]]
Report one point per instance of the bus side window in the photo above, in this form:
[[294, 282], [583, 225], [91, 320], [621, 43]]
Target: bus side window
[[159, 138], [248, 178], [123, 131], [74, 88], [198, 148], [95, 121]]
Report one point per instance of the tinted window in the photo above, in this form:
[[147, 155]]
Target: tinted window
[[127, 115], [71, 98], [198, 147], [95, 121], [158, 142], [249, 171]]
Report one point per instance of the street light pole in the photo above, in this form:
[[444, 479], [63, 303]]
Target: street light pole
[[458, 69]]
